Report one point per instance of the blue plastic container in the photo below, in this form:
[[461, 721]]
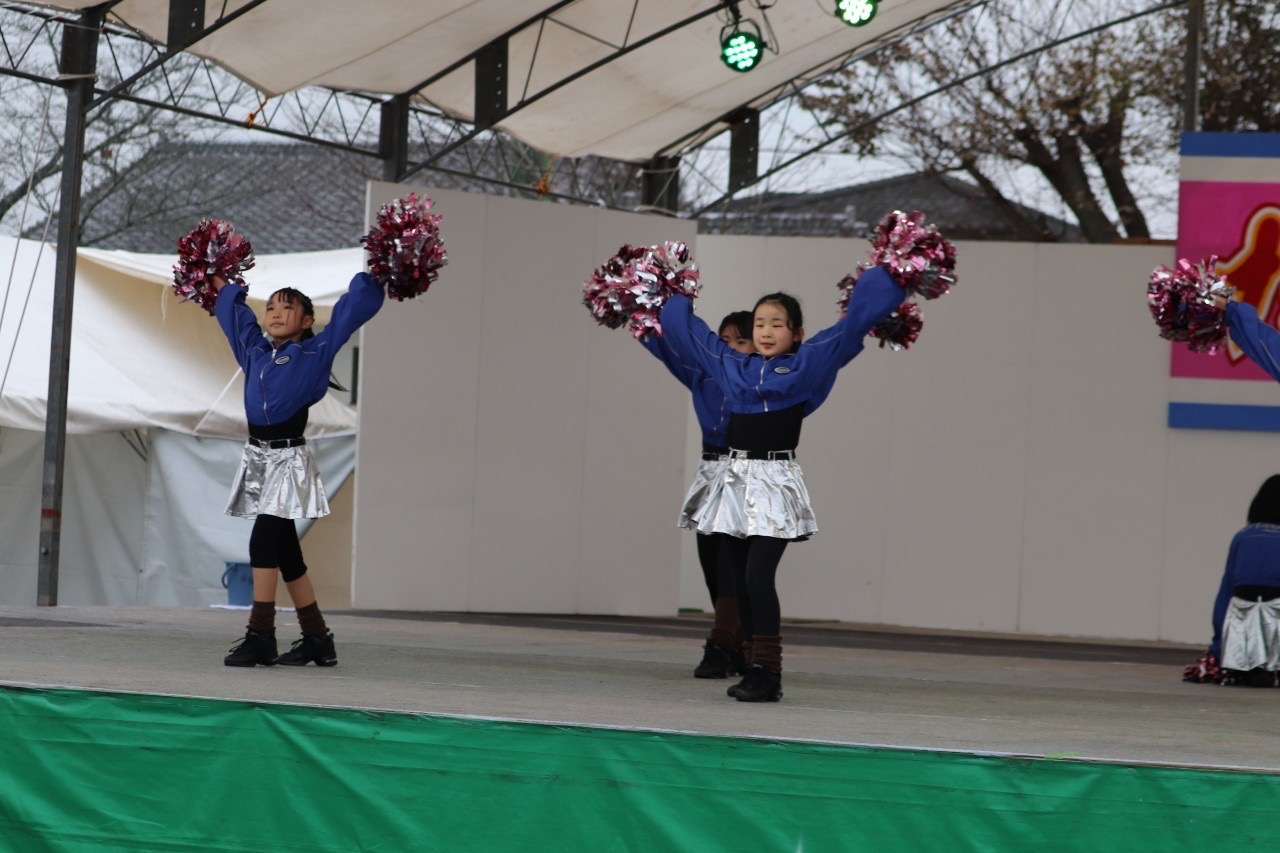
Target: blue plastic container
[[238, 582]]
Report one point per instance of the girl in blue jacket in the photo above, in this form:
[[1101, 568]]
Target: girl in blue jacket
[[286, 371], [722, 652], [760, 500]]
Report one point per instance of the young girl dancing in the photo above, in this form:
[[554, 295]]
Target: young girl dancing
[[722, 652], [760, 500], [286, 371]]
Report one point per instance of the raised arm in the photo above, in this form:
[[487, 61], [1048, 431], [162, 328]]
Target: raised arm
[[692, 340], [1258, 340], [685, 371], [238, 322], [356, 307], [875, 297]]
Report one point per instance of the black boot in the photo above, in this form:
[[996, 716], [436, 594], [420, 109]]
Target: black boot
[[760, 685], [254, 649], [717, 662], [737, 661], [312, 648], [744, 660]]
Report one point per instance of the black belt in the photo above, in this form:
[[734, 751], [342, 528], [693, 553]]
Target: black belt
[[762, 454], [277, 443], [709, 456]]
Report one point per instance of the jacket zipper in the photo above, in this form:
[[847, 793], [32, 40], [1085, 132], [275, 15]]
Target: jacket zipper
[[760, 387], [262, 385]]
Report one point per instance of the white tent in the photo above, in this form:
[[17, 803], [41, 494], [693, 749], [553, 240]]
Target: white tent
[[155, 424]]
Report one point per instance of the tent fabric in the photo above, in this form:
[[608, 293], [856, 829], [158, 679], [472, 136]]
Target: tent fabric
[[632, 108], [139, 358], [155, 417], [142, 516]]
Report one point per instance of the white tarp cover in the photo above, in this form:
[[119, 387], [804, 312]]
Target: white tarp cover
[[629, 109], [156, 423], [139, 358]]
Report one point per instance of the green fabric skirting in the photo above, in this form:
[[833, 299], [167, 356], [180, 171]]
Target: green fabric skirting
[[89, 771]]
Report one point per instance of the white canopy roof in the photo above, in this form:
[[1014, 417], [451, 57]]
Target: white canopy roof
[[630, 109], [139, 358]]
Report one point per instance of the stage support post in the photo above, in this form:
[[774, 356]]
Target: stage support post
[[77, 69]]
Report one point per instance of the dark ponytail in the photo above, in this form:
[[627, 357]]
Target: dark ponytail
[[1265, 508]]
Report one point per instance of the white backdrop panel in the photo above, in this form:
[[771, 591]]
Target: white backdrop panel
[[1013, 471], [543, 467]]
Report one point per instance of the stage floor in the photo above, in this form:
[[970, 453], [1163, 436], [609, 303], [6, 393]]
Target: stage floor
[[843, 684]]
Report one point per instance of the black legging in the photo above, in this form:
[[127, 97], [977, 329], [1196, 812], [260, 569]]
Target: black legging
[[274, 544], [754, 563], [715, 571]]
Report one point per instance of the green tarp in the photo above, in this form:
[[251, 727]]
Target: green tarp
[[83, 771]]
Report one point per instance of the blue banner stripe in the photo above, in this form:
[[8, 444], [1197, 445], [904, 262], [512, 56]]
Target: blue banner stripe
[[1224, 416], [1231, 144]]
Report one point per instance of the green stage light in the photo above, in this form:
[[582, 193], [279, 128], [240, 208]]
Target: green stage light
[[740, 49], [856, 13]]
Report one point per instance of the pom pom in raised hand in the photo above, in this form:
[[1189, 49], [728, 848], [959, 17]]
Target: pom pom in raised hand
[[631, 287], [405, 247], [919, 258], [898, 331], [901, 328], [1183, 302], [212, 249]]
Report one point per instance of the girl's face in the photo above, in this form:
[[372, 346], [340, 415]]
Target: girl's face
[[732, 336], [773, 334], [285, 320]]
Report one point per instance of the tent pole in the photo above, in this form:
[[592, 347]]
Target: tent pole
[[78, 66]]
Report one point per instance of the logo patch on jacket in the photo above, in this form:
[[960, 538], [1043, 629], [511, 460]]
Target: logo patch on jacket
[[284, 359], [783, 370]]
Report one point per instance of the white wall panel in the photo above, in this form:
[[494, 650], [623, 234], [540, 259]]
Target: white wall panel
[[545, 465], [634, 452], [1098, 440], [419, 381], [1013, 471]]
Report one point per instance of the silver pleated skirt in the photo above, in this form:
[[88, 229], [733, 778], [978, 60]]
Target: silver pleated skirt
[[757, 497], [279, 481], [709, 471], [1251, 635]]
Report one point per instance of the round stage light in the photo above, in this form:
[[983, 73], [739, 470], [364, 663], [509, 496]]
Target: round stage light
[[856, 13], [740, 49]]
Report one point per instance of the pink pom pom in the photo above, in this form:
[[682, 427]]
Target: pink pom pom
[[1205, 670], [1183, 304], [213, 248], [898, 331], [405, 248], [919, 258], [632, 286]]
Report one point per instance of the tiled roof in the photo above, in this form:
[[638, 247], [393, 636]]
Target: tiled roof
[[296, 198], [958, 209], [284, 197]]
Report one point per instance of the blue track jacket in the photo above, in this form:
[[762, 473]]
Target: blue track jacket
[[709, 403], [753, 384], [278, 383], [1252, 560]]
